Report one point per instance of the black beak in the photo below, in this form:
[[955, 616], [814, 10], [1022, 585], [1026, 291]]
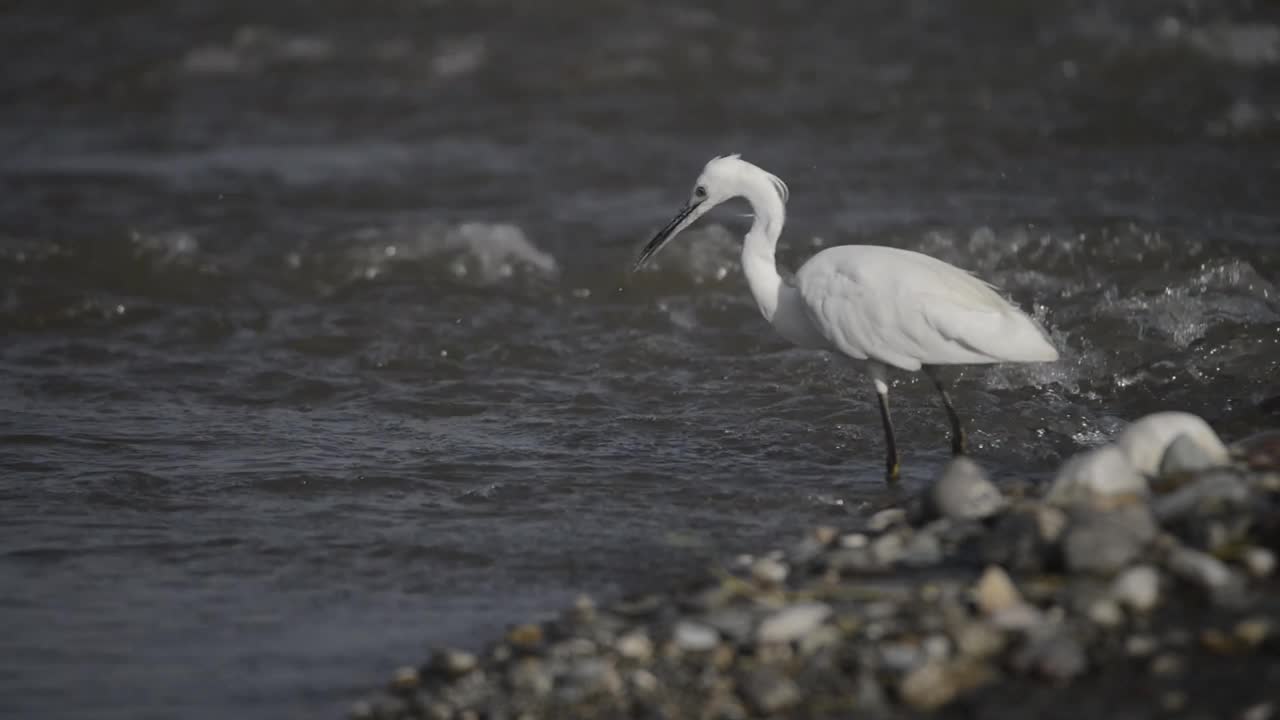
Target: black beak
[[664, 235]]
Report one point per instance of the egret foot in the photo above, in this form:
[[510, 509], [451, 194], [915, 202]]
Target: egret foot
[[958, 440]]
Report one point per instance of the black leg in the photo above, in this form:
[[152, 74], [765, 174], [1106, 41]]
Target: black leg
[[891, 447], [957, 432]]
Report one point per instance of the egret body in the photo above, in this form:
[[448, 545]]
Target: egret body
[[880, 305]]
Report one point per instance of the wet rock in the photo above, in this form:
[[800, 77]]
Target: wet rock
[[924, 549], [887, 549], [1104, 543], [1137, 588], [769, 691], [963, 492], [792, 623], [1101, 479], [977, 640], [590, 677], [695, 637], [1186, 455], [1145, 441], [405, 679], [1209, 492]]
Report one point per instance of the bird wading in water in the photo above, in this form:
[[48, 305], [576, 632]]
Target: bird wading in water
[[881, 305]]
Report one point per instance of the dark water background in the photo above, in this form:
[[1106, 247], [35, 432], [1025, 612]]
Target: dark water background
[[318, 349]]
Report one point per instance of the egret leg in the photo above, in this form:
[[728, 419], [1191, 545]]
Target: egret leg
[[957, 432], [891, 446]]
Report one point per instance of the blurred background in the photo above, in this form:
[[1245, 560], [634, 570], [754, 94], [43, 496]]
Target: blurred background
[[319, 349]]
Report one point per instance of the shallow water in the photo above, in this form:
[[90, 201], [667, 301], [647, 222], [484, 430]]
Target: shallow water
[[319, 348]]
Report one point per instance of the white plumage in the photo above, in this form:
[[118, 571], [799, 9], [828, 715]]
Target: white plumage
[[882, 305]]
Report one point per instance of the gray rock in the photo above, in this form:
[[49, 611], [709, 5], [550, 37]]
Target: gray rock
[[1137, 588], [738, 624], [1145, 441], [924, 549], [900, 656], [928, 687], [769, 691], [792, 623], [695, 637], [1015, 542], [1209, 491], [1207, 572], [1102, 479], [1052, 653], [589, 677], [964, 492], [886, 519], [1104, 543], [1186, 455], [887, 549], [530, 677]]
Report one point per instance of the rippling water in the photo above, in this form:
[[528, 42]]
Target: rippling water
[[319, 349]]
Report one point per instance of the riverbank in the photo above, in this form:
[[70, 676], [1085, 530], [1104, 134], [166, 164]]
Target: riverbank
[[1140, 583]]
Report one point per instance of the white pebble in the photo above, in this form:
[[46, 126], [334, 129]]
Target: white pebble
[[1145, 440], [792, 623]]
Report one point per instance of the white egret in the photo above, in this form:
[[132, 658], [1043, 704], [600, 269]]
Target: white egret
[[881, 305]]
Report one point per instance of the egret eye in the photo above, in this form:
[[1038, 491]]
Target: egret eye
[[699, 192]]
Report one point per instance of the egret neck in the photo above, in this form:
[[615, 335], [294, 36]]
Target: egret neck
[[759, 250]]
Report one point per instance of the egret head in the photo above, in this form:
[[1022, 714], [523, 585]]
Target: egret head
[[723, 178]]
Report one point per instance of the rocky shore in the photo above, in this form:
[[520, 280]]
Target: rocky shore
[[1140, 583]]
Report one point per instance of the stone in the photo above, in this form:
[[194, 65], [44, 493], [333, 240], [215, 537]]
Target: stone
[[885, 519], [525, 637], [768, 571], [923, 549], [1209, 491], [995, 592], [1137, 588], [529, 676], [928, 687], [1145, 441], [1102, 479], [887, 549], [1106, 613], [1054, 654], [1186, 455], [695, 637], [735, 623], [1098, 543], [769, 691], [1260, 451], [792, 623], [1253, 631], [1015, 542], [636, 646], [1206, 572], [452, 663], [405, 679], [590, 677], [977, 639], [964, 492], [1259, 561]]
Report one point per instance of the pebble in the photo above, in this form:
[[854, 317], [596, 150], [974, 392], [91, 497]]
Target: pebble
[[995, 592], [887, 549], [1137, 588], [735, 623], [1167, 664], [1145, 441], [1015, 543], [768, 571], [1253, 631], [928, 687], [886, 519], [1140, 645], [525, 637], [1259, 561], [635, 646], [1261, 711], [792, 623], [695, 637], [770, 691], [1260, 451], [1102, 479], [964, 492], [452, 663], [405, 679], [1102, 543], [529, 676]]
